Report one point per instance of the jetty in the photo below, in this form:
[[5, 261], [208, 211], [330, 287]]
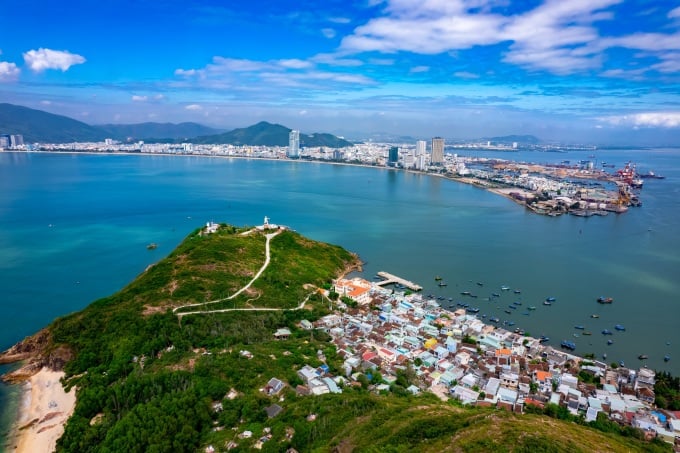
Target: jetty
[[389, 279]]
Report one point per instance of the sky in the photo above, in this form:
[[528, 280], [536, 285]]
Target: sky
[[577, 71]]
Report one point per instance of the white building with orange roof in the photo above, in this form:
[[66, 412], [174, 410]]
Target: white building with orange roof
[[356, 289]]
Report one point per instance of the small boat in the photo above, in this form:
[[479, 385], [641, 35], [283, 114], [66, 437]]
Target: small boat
[[494, 319], [472, 310], [437, 278], [594, 316], [568, 345], [550, 299], [605, 300], [510, 323], [441, 284], [621, 363], [465, 293], [517, 302], [604, 356], [651, 175], [543, 339], [606, 332], [473, 295], [547, 302], [643, 357], [508, 311], [480, 284], [533, 307], [587, 332], [610, 341], [505, 288], [512, 306], [495, 295], [517, 291], [666, 358], [152, 246], [579, 327], [619, 327], [576, 335]]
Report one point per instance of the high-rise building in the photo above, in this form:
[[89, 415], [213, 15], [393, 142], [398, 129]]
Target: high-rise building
[[437, 151], [294, 144], [393, 157], [4, 141], [16, 140], [421, 147]]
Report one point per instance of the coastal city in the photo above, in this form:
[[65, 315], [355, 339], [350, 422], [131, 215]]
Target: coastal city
[[383, 332], [582, 188]]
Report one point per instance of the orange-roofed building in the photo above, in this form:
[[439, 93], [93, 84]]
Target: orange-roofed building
[[356, 289]]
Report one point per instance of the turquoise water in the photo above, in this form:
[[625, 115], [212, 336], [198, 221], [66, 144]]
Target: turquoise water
[[74, 228]]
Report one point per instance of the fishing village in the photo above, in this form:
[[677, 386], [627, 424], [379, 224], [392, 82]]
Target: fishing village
[[380, 332]]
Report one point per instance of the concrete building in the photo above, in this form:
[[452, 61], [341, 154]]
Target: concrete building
[[294, 144], [421, 147], [393, 157], [437, 151]]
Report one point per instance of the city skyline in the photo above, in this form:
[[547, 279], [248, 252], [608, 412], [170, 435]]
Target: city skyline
[[598, 71]]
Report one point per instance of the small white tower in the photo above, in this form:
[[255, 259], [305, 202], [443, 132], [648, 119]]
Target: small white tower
[[266, 222]]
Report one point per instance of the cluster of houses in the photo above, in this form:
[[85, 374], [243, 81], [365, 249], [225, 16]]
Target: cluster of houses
[[456, 355]]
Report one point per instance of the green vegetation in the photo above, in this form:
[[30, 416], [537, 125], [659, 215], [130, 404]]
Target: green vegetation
[[667, 391], [148, 383]]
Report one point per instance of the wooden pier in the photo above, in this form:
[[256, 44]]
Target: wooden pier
[[389, 279]]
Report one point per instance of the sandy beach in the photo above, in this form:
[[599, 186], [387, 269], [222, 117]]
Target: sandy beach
[[43, 413]]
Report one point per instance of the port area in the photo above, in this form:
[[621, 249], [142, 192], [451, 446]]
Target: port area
[[553, 190], [391, 279]]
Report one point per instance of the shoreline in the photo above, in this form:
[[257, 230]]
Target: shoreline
[[43, 410]]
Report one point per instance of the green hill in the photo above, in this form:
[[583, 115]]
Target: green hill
[[267, 134], [149, 380], [39, 126]]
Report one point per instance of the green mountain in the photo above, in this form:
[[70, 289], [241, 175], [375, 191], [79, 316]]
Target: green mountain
[[268, 134], [176, 362], [145, 131], [39, 126]]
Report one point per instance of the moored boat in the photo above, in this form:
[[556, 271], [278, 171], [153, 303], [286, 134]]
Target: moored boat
[[643, 357], [550, 299], [606, 332], [666, 358], [619, 327], [441, 284], [610, 341], [579, 327], [533, 307], [152, 246], [605, 300], [568, 345], [437, 278], [547, 302], [595, 316]]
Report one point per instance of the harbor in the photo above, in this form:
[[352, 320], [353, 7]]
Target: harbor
[[390, 279]]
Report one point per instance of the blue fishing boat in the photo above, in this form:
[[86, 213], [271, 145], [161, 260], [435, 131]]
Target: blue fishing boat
[[619, 327], [606, 332], [550, 299]]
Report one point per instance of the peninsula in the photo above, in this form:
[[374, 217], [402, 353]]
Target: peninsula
[[252, 337]]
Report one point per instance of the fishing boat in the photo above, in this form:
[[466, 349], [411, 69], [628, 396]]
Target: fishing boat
[[643, 357], [666, 358], [512, 306], [621, 363], [606, 332], [651, 175], [547, 302], [619, 327], [533, 307], [480, 284], [604, 356], [508, 311], [465, 293], [517, 302], [550, 299], [595, 316], [495, 295], [505, 288], [579, 327], [587, 332], [494, 319], [605, 300], [543, 339], [517, 291], [610, 341], [152, 246], [441, 284], [568, 345], [437, 278]]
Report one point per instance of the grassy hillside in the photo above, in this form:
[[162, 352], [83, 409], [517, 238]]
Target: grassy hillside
[[148, 382]]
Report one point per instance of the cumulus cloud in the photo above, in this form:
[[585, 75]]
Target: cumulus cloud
[[42, 59], [667, 120], [193, 107], [674, 13], [136, 98], [417, 69], [8, 71]]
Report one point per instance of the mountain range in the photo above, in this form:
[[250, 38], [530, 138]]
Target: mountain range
[[40, 126]]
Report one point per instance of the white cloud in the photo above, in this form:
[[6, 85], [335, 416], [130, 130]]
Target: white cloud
[[193, 107], [45, 102], [303, 112], [42, 59], [294, 63], [650, 119], [465, 75], [417, 69], [136, 98], [158, 97], [340, 20], [328, 33], [675, 12], [8, 71]]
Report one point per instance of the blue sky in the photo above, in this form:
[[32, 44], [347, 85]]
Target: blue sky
[[589, 71]]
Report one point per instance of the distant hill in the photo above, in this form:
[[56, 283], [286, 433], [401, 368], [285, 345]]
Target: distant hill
[[268, 134], [39, 126], [526, 139], [143, 131]]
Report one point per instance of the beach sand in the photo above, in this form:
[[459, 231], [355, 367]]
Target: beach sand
[[43, 414]]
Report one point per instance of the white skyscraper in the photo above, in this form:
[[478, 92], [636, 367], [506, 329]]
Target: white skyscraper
[[294, 144], [421, 147]]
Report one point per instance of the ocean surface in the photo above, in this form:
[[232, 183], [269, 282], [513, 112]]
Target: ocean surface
[[74, 228]]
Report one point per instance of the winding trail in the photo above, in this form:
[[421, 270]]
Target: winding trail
[[269, 237]]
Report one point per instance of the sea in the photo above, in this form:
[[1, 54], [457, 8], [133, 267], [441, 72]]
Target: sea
[[75, 227]]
